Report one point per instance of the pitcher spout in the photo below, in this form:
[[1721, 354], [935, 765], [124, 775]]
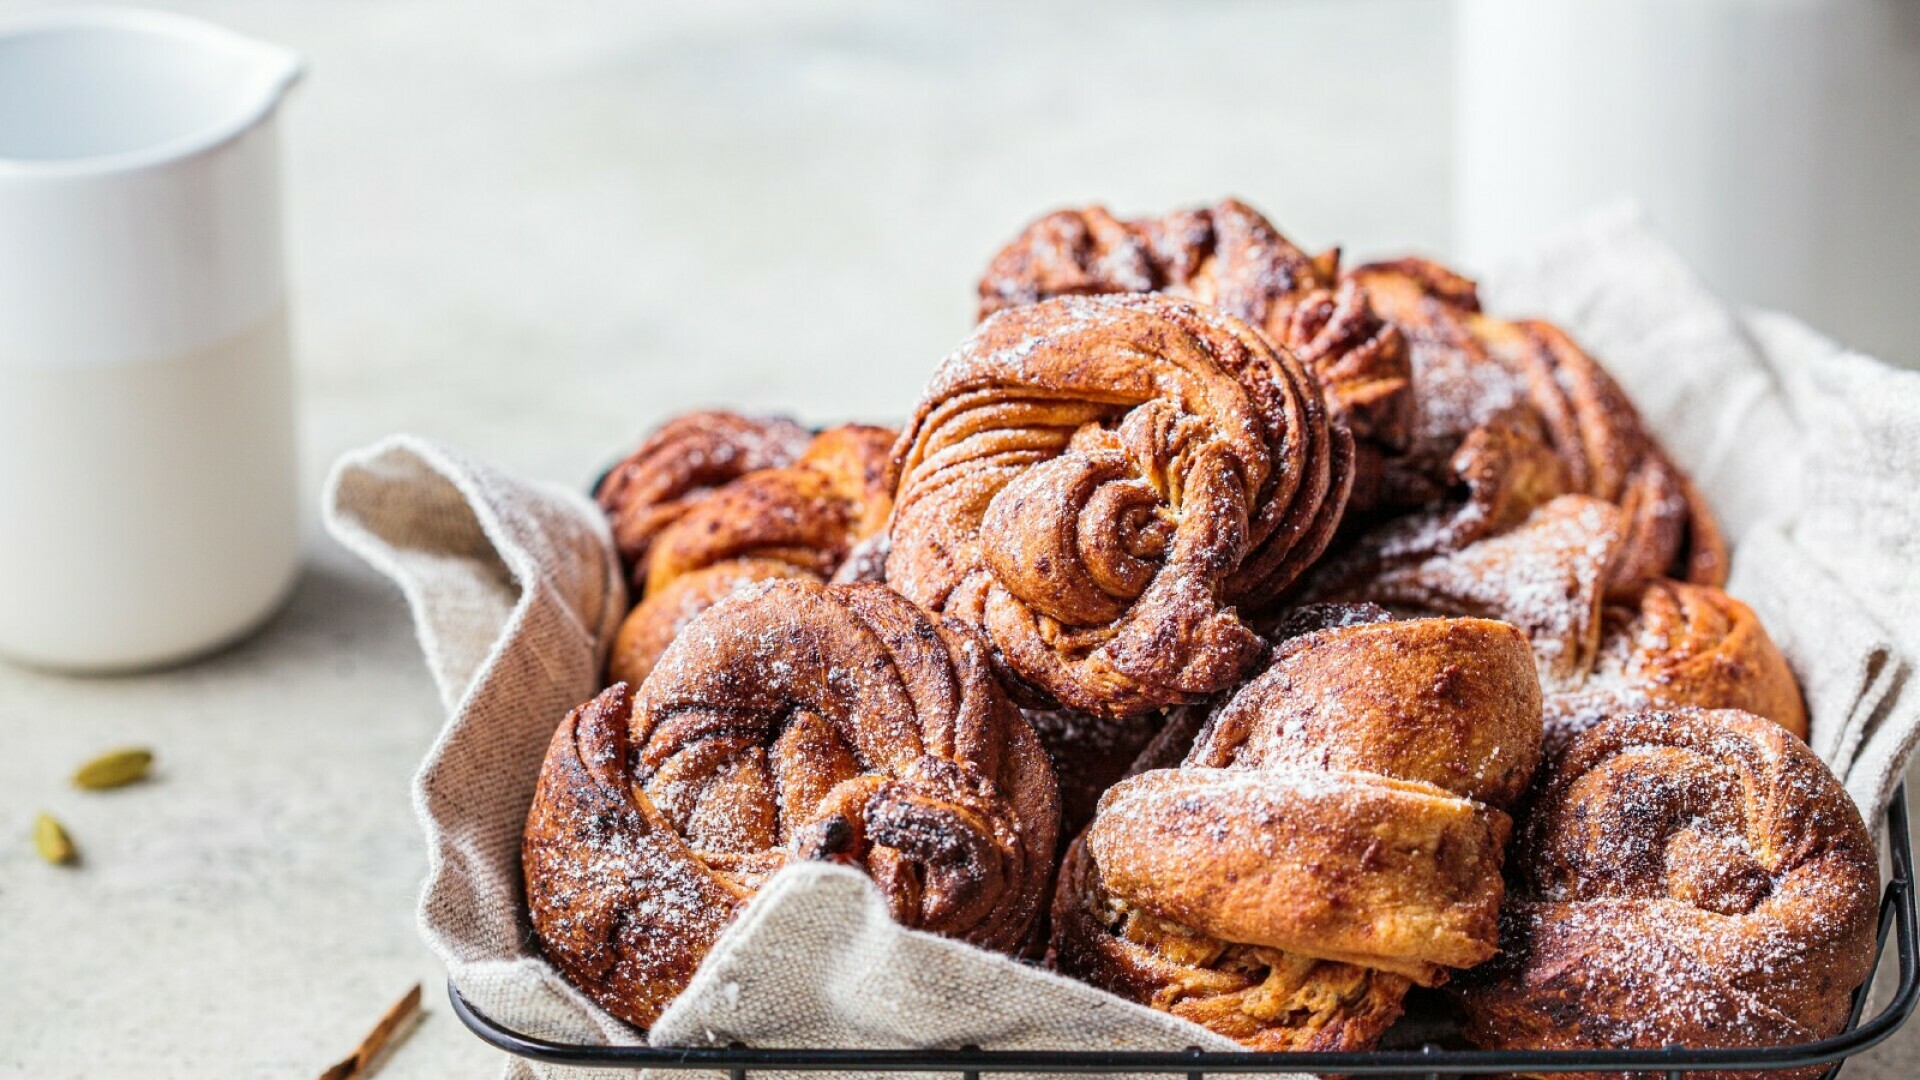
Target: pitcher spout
[[277, 69], [104, 88]]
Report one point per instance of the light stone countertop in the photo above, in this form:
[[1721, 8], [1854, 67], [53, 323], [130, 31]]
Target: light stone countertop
[[533, 230]]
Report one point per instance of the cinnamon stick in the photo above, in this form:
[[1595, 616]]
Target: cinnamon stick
[[356, 1064]]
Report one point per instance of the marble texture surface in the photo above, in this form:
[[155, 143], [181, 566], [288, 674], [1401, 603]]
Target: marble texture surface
[[533, 230]]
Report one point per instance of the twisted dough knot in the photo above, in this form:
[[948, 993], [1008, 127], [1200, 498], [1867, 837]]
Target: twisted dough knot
[[798, 521], [1548, 576], [1675, 645], [680, 464], [1100, 483], [1230, 257], [1694, 877], [793, 720], [1333, 837], [1472, 371], [1601, 649]]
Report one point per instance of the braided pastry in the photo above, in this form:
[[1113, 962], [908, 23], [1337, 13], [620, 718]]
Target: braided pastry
[[1471, 371], [799, 521], [1103, 484], [1693, 877], [680, 464], [1230, 257], [793, 720], [1332, 838], [1600, 650]]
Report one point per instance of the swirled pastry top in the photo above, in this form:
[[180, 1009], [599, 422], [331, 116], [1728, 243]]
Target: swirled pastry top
[[1694, 877], [1529, 378], [1103, 484], [1230, 257], [792, 720], [1409, 362]]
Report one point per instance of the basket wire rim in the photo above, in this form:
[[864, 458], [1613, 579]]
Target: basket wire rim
[[1898, 918]]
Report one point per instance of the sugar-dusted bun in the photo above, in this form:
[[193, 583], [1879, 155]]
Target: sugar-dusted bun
[[1676, 645], [1105, 486], [1333, 836], [1689, 877], [1601, 649], [1471, 370], [793, 720]]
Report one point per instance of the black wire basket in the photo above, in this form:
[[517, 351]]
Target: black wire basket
[[1897, 920]]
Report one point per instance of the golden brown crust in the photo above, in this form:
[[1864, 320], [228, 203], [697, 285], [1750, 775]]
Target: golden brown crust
[[1320, 848], [1103, 484], [1450, 702], [679, 465], [1267, 999], [791, 721], [1678, 645], [1230, 257], [1694, 877], [1471, 370], [1397, 875], [799, 521], [1600, 650]]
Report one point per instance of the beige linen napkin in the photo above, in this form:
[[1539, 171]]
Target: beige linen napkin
[[516, 593], [1809, 453]]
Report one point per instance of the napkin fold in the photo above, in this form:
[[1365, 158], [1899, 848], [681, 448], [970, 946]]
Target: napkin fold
[[1809, 454]]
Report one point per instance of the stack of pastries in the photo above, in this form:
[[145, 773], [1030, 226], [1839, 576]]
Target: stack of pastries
[[1248, 635]]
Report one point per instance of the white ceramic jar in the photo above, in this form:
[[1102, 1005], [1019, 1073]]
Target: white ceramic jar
[[1776, 143], [148, 477]]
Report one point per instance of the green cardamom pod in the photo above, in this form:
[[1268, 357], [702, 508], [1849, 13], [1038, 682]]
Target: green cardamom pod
[[114, 769], [52, 840]]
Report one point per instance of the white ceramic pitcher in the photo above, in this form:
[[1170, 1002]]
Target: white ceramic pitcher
[[148, 475], [1774, 142]]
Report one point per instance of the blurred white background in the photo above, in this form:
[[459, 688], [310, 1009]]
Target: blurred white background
[[604, 212], [1776, 143]]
